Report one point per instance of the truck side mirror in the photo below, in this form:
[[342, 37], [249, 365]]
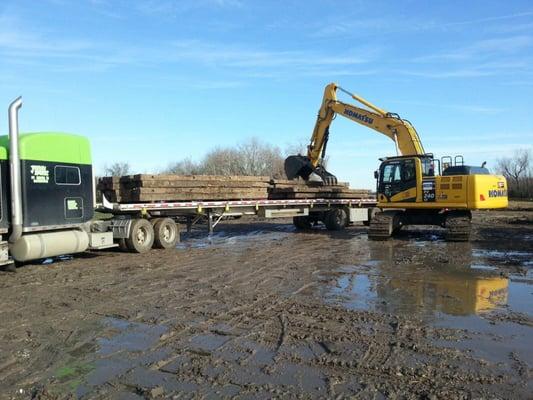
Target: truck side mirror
[[376, 174]]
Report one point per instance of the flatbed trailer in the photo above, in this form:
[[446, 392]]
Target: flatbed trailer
[[48, 203], [336, 214]]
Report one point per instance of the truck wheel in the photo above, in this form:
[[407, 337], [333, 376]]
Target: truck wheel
[[336, 219], [141, 236], [122, 244], [302, 222], [166, 233], [11, 267]]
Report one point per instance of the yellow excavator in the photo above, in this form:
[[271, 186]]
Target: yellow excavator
[[413, 187]]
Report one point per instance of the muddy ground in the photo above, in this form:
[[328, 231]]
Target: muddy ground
[[259, 310]]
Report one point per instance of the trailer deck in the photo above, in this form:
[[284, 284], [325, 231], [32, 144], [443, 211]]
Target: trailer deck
[[215, 211]]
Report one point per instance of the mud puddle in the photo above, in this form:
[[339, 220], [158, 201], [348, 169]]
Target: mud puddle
[[513, 257], [234, 238], [473, 291], [121, 346]]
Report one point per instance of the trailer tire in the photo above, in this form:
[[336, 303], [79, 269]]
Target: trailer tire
[[166, 233], [141, 236], [336, 219], [302, 222]]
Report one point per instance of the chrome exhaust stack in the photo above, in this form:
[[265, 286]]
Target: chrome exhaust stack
[[14, 164]]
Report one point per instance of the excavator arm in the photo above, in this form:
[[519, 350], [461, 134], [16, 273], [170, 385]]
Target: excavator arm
[[391, 125]]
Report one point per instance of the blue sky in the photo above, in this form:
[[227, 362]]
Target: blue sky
[[150, 82]]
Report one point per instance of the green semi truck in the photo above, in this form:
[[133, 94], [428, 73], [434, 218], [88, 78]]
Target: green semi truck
[[48, 202], [47, 199]]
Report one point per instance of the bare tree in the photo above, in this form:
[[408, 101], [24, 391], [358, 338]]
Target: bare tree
[[117, 169], [299, 147], [517, 170], [252, 157], [223, 161], [258, 158], [184, 167]]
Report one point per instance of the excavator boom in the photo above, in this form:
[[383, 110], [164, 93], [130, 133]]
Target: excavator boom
[[391, 125]]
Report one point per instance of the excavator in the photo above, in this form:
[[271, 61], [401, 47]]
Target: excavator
[[413, 187]]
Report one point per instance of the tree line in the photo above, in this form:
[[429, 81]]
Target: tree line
[[518, 170], [258, 158], [253, 157]]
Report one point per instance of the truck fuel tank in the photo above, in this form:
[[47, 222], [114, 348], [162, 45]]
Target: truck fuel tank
[[33, 246]]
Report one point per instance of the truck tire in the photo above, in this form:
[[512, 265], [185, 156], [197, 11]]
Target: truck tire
[[336, 219], [302, 222], [11, 267], [166, 233], [122, 244], [141, 236]]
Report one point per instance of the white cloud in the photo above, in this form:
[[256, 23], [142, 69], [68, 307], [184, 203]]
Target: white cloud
[[26, 41], [483, 48], [175, 7], [24, 47], [474, 108], [342, 26], [474, 69]]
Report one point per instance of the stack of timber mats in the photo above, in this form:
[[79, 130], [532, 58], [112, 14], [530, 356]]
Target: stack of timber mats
[[154, 188], [299, 189]]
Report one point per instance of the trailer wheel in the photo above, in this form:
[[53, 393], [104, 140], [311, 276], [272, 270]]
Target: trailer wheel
[[141, 236], [166, 233], [302, 222], [336, 219]]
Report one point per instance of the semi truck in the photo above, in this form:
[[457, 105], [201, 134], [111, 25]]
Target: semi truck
[[48, 203]]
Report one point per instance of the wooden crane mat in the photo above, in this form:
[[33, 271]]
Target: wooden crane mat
[[150, 188]]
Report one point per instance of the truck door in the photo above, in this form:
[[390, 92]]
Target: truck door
[[397, 181]]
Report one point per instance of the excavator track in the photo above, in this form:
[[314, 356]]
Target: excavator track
[[458, 227], [383, 225]]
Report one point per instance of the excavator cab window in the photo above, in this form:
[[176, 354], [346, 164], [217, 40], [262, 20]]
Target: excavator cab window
[[397, 176], [408, 171], [428, 167]]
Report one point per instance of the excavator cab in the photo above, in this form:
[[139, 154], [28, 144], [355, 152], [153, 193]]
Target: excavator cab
[[397, 177], [401, 178]]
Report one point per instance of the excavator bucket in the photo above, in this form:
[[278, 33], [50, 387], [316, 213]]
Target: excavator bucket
[[301, 166], [298, 166]]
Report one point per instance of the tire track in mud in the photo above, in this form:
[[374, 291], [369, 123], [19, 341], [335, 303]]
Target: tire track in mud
[[243, 321], [122, 290]]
